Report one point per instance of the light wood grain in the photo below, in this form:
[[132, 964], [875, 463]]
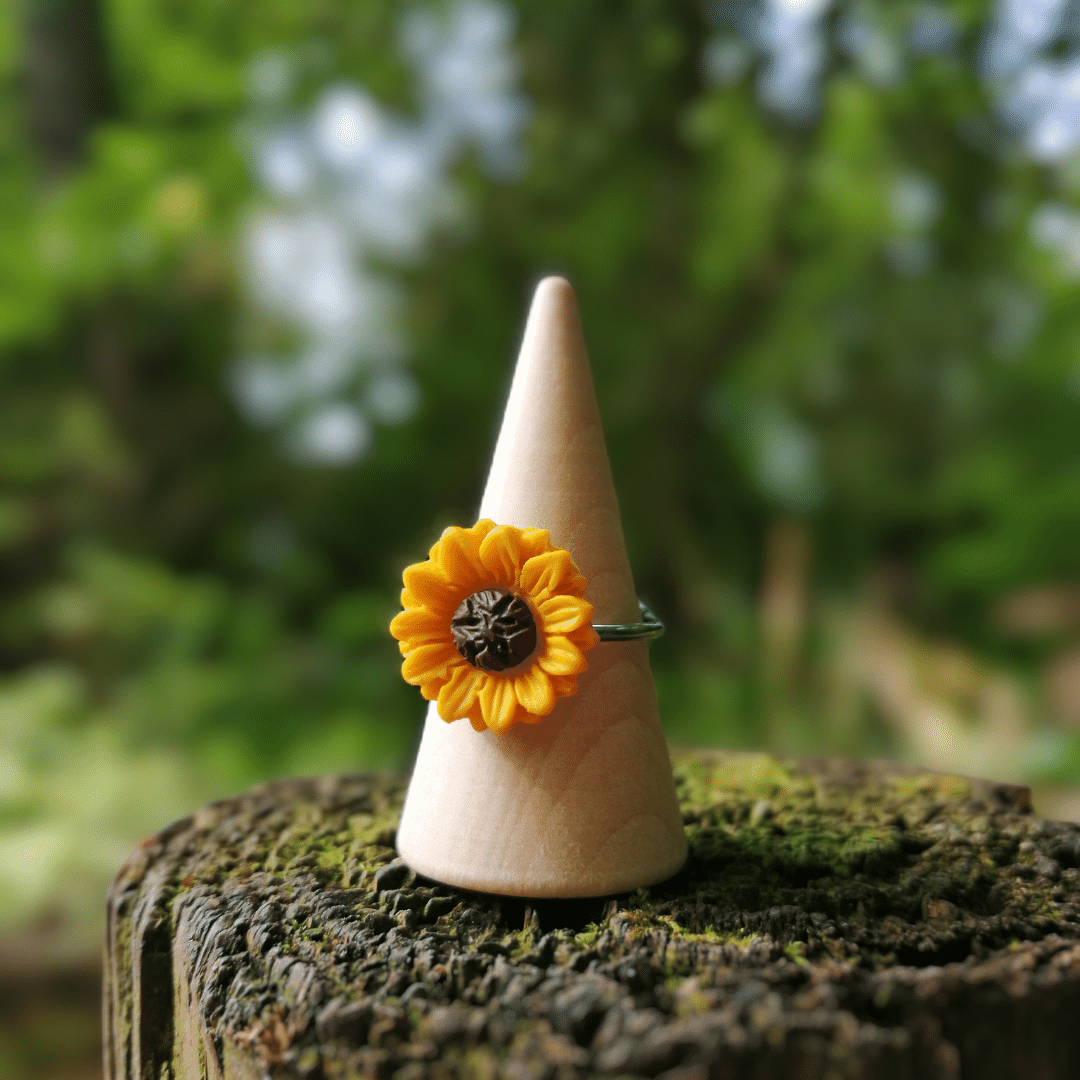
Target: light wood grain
[[550, 467], [582, 804]]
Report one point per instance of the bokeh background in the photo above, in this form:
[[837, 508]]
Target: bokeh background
[[263, 270]]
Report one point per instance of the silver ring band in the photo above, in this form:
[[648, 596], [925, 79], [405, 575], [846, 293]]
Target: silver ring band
[[650, 627]]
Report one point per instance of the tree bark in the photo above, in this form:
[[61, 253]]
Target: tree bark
[[835, 920], [67, 74]]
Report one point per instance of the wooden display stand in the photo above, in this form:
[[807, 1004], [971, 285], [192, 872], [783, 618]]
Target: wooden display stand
[[833, 920], [580, 804]]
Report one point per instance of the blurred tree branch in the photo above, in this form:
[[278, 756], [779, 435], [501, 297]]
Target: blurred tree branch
[[67, 77]]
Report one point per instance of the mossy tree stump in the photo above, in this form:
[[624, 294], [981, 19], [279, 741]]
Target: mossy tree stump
[[834, 920]]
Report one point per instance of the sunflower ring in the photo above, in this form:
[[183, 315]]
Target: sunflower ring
[[496, 625]]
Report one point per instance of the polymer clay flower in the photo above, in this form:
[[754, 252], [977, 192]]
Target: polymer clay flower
[[495, 625]]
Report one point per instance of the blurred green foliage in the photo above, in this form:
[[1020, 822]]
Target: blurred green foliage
[[842, 321]]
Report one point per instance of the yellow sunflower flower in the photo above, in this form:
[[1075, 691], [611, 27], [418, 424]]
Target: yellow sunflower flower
[[495, 626]]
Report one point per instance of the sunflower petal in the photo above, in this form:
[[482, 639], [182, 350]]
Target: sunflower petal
[[429, 585], [458, 553], [561, 656], [428, 662], [458, 694], [564, 685], [473, 536], [499, 703], [564, 614], [534, 542], [584, 637], [501, 555], [550, 574], [534, 692], [418, 626], [510, 713], [429, 688]]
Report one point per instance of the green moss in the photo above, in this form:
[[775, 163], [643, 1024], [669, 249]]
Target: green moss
[[795, 950], [706, 780], [588, 937]]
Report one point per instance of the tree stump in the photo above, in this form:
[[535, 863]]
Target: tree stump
[[835, 920]]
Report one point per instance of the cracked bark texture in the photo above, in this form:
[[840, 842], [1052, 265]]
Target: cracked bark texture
[[835, 920]]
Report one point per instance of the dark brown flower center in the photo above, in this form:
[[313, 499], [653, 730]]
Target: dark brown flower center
[[494, 630]]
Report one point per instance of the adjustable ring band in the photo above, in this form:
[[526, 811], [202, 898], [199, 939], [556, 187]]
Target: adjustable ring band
[[650, 627]]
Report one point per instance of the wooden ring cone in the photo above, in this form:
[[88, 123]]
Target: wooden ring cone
[[583, 803]]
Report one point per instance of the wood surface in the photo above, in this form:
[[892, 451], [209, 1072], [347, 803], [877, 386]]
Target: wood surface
[[581, 804], [833, 920]]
